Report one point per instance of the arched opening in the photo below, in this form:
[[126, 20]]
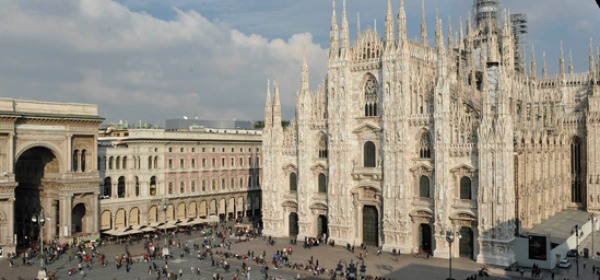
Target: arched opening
[[106, 220], [465, 188], [78, 223], [466, 243], [203, 211], [181, 211], [425, 241], [134, 216], [222, 209], [153, 214], [424, 145], [31, 168], [231, 208], [120, 216], [137, 186], [322, 183], [121, 187], [83, 159], [192, 210], [239, 207], [153, 185], [322, 226], [371, 98], [293, 224], [370, 225], [370, 157], [107, 190], [213, 207], [75, 161]]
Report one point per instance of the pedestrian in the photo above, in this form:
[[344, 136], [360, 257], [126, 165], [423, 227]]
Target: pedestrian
[[180, 273]]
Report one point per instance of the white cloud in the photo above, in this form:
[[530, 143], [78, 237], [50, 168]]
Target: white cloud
[[136, 66]]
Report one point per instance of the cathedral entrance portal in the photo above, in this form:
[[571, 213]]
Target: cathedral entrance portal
[[425, 238], [31, 168], [322, 226], [370, 226], [293, 224], [465, 245]]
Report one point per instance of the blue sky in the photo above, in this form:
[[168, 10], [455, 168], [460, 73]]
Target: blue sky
[[151, 60]]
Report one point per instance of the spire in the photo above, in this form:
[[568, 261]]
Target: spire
[[305, 86], [533, 67], [357, 24], [492, 42], [439, 34], [561, 66], [460, 34], [389, 26], [423, 25], [334, 33], [345, 36], [276, 106], [268, 107], [544, 70], [450, 40], [401, 22], [571, 70], [592, 68]]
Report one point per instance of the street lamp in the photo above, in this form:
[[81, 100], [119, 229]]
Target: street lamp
[[593, 219], [450, 238], [165, 250], [577, 232], [39, 219], [351, 271]]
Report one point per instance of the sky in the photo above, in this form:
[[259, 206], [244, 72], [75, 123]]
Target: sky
[[152, 60]]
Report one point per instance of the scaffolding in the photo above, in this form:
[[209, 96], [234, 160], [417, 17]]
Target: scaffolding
[[519, 29], [484, 10]]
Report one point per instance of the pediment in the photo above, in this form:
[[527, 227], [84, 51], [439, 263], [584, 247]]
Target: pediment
[[289, 203], [421, 166], [366, 128], [318, 206], [423, 213], [319, 167], [464, 216], [463, 166], [289, 168]]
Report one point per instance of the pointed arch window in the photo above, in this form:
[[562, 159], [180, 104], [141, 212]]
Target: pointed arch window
[[370, 157], [323, 152], [293, 182], [576, 170], [424, 186], [424, 145], [465, 188], [371, 98], [322, 183]]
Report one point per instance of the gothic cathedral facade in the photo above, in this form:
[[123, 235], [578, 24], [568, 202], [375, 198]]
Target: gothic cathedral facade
[[404, 143]]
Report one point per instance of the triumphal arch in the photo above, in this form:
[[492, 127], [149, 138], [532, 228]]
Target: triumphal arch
[[47, 165]]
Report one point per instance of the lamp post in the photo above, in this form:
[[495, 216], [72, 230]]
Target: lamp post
[[165, 246], [39, 220], [450, 238], [593, 219], [577, 232]]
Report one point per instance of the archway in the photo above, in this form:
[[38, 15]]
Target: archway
[[181, 213], [293, 224], [31, 168], [77, 219], [231, 208], [370, 226], [106, 220], [322, 226], [193, 210], [465, 244], [425, 244], [134, 216], [152, 214], [120, 221]]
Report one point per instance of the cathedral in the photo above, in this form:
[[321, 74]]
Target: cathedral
[[404, 144]]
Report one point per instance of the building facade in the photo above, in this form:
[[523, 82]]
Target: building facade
[[151, 175], [404, 143], [47, 166]]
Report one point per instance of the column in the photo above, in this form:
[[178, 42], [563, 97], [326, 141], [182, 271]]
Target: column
[[94, 213]]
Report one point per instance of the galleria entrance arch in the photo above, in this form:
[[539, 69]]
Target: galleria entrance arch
[[47, 164]]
